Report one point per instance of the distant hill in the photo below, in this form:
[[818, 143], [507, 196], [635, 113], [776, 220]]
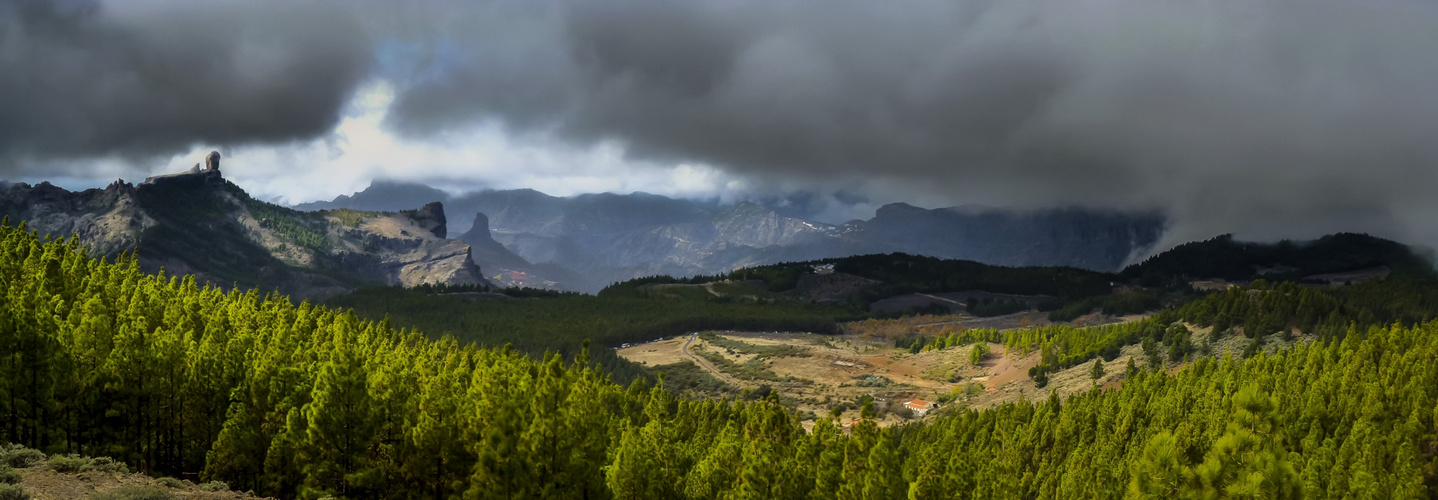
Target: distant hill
[[1228, 259], [199, 223], [906, 283], [607, 238]]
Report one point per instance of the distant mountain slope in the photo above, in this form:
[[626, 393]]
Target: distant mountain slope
[[1225, 258], [199, 223], [1096, 240], [607, 238]]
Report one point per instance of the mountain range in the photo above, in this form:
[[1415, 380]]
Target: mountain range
[[400, 234], [585, 242]]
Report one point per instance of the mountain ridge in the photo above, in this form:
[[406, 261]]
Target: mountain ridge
[[199, 223], [608, 238]]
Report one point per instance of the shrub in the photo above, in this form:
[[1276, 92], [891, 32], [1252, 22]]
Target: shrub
[[107, 464], [135, 493], [872, 381], [20, 457], [170, 482], [8, 475], [71, 463], [13, 492], [214, 486]]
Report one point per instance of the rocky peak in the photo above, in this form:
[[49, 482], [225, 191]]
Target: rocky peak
[[431, 218], [481, 225], [210, 174], [487, 251]]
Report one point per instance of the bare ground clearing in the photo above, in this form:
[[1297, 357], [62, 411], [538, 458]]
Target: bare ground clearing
[[834, 371]]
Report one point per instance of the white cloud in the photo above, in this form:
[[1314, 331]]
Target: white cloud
[[361, 149]]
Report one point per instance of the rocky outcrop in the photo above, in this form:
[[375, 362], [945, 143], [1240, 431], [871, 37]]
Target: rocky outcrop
[[488, 251], [504, 268], [407, 249], [199, 223], [194, 174], [430, 218]]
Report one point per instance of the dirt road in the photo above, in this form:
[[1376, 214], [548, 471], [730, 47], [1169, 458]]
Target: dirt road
[[704, 363]]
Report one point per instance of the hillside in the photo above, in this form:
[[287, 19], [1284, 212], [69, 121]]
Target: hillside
[[198, 223], [308, 402], [1224, 258]]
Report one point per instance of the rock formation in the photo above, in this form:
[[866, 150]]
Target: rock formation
[[431, 218], [212, 169], [197, 223]]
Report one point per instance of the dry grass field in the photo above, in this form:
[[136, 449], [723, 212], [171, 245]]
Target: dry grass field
[[820, 372]]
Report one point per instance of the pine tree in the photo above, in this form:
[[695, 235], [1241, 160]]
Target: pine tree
[[341, 429]]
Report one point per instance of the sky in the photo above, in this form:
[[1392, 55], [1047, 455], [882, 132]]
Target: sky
[[1264, 118]]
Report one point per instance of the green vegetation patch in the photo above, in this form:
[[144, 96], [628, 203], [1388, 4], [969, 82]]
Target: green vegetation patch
[[751, 369], [13, 492], [292, 226], [73, 463], [687, 376], [759, 351], [348, 217], [8, 475], [20, 457]]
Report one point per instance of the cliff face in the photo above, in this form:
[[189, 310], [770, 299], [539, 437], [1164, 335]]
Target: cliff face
[[198, 223]]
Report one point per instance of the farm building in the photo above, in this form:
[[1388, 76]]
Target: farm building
[[919, 406]]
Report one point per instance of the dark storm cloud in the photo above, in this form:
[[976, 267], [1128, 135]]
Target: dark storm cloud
[[1266, 117], [1276, 118], [132, 79]]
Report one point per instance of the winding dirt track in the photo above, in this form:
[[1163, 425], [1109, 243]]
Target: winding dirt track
[[704, 363]]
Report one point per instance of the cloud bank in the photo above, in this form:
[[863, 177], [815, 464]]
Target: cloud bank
[[1266, 118]]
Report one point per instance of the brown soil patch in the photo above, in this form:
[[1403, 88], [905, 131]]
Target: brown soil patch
[[663, 352], [46, 484], [1008, 369], [831, 372]]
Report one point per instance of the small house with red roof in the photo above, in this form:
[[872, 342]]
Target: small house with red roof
[[919, 406]]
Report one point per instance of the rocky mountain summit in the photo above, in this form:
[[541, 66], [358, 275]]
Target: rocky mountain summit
[[588, 241], [197, 222]]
